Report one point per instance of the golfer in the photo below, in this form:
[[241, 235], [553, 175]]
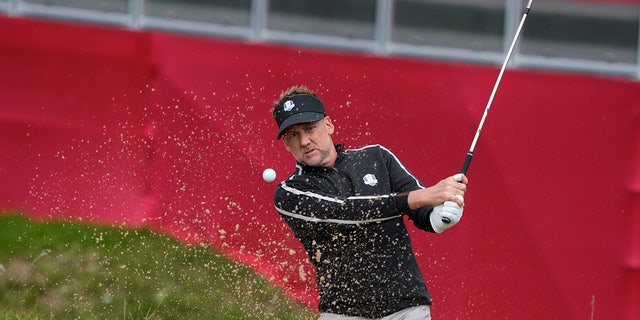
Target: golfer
[[346, 207]]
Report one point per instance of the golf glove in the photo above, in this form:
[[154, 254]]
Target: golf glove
[[448, 209]]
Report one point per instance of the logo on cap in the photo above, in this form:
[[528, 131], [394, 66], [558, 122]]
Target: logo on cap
[[288, 105]]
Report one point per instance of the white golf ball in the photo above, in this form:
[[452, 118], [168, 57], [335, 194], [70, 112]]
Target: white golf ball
[[269, 175]]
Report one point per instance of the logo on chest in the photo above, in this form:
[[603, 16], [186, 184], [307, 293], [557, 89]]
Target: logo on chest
[[370, 180]]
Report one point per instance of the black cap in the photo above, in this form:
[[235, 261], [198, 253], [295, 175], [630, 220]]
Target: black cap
[[301, 108]]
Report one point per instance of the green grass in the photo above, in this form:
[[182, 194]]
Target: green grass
[[68, 270]]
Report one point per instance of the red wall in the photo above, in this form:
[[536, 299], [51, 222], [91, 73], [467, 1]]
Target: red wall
[[173, 132]]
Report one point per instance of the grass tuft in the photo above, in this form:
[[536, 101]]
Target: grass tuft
[[69, 270]]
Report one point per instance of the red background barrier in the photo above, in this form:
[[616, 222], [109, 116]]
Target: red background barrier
[[173, 132]]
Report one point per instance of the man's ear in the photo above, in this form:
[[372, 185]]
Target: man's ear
[[329, 125]]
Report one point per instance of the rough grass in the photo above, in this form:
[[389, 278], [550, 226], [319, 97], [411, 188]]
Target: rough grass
[[65, 270]]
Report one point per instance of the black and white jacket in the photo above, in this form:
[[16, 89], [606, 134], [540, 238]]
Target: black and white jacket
[[349, 219]]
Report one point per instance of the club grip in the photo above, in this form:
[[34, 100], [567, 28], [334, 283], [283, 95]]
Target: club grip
[[467, 162], [465, 168]]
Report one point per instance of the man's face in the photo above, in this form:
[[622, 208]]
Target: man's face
[[311, 143]]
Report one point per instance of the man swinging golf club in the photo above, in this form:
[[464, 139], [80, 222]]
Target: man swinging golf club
[[347, 207]]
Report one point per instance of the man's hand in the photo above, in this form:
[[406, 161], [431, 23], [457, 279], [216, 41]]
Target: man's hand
[[447, 189], [448, 211]]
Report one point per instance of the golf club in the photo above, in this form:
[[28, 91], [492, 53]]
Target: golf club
[[469, 157]]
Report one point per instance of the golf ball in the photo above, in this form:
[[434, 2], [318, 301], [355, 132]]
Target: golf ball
[[269, 175]]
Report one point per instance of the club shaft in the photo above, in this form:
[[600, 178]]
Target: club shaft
[[469, 157]]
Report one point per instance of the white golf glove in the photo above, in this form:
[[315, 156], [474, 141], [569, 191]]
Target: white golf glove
[[448, 209]]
